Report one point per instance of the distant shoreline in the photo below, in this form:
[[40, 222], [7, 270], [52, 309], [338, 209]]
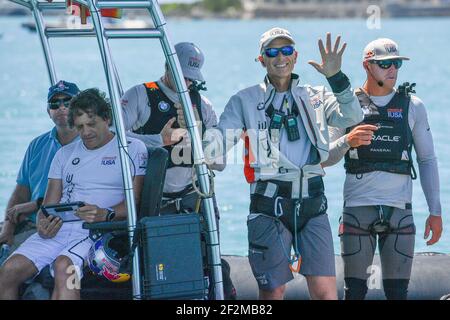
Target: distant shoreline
[[221, 17], [304, 10]]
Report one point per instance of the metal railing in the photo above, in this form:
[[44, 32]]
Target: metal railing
[[115, 92]]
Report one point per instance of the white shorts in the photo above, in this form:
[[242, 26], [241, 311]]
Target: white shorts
[[71, 241]]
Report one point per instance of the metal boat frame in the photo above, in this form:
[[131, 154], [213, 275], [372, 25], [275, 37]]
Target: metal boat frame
[[115, 92]]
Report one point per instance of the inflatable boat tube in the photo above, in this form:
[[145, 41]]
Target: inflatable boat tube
[[430, 279]]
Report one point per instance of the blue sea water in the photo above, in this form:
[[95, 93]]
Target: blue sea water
[[230, 47]]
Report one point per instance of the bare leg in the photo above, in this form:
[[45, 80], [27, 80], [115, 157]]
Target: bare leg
[[67, 282], [322, 288], [275, 294], [13, 273]]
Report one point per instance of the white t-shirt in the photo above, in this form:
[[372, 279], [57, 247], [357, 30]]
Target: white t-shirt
[[95, 176]]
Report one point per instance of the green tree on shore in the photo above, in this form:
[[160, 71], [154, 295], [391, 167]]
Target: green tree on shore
[[214, 6]]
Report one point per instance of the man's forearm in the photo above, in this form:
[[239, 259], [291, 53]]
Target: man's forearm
[[21, 194], [19, 205], [342, 108], [121, 211], [338, 149], [426, 157], [338, 82], [8, 227], [150, 140], [429, 179]]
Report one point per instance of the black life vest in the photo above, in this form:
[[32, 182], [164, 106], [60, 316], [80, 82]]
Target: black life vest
[[390, 149], [162, 110]]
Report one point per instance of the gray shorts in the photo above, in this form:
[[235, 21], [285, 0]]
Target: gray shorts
[[270, 247], [396, 250]]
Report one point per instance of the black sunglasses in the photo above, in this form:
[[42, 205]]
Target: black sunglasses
[[54, 105], [386, 64]]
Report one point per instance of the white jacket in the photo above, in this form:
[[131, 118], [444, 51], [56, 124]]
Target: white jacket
[[245, 114]]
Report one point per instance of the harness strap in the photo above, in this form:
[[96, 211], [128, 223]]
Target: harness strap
[[176, 198], [180, 194], [350, 229], [294, 213]]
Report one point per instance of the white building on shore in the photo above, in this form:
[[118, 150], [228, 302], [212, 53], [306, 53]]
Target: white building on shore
[[306, 8]]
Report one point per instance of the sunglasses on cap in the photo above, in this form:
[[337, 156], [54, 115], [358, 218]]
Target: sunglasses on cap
[[273, 52], [386, 64], [54, 105]]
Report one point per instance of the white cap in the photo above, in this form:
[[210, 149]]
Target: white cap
[[382, 49], [272, 34], [191, 60]]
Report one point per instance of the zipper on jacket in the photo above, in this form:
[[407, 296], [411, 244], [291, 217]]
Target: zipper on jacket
[[309, 121], [301, 184]]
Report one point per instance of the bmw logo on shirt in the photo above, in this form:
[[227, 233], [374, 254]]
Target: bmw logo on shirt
[[163, 106]]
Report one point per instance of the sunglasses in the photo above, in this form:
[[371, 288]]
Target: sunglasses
[[386, 64], [54, 105], [273, 52]]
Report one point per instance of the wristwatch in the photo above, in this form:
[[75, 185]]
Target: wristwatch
[[111, 214]]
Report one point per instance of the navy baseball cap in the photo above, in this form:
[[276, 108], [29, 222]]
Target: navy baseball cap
[[64, 87]]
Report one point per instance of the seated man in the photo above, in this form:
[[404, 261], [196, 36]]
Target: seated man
[[88, 170], [20, 215]]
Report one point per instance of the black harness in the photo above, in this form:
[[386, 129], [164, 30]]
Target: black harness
[[273, 198], [162, 110], [391, 146], [380, 227]]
